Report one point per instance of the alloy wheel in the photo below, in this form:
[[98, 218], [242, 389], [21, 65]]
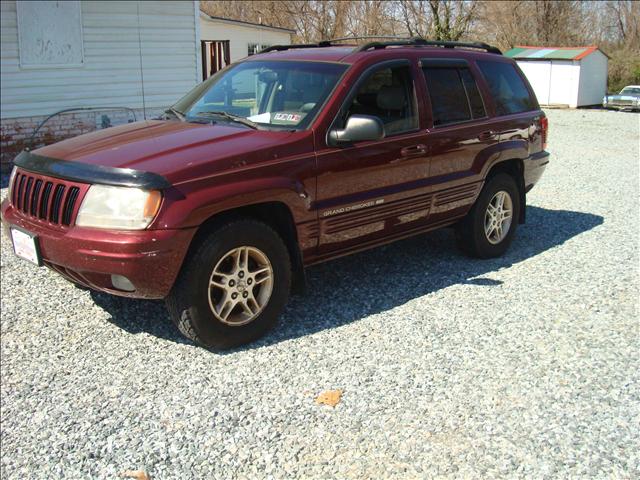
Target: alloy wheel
[[498, 217], [240, 286]]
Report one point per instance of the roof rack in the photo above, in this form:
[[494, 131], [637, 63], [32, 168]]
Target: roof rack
[[421, 42], [279, 48], [320, 44], [396, 42]]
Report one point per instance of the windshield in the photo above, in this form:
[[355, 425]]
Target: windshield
[[630, 91], [268, 93]]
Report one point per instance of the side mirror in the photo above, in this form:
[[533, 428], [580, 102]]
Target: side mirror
[[359, 128]]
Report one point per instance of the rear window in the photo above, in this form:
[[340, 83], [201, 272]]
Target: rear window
[[507, 88], [454, 95]]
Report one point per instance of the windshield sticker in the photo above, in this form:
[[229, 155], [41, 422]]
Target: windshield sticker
[[287, 117], [260, 118]]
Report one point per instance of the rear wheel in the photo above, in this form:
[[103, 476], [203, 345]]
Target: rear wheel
[[233, 287], [489, 227]]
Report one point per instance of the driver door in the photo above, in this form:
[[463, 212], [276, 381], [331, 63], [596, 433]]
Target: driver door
[[373, 189]]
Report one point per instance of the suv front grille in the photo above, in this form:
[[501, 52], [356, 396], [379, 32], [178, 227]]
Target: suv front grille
[[50, 199]]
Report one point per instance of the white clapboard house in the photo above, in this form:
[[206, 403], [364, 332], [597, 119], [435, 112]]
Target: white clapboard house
[[128, 59]]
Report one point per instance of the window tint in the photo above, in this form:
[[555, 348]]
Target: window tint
[[454, 95], [387, 94], [475, 99], [507, 88]]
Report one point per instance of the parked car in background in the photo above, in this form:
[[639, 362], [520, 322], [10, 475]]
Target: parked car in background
[[286, 159], [627, 99]]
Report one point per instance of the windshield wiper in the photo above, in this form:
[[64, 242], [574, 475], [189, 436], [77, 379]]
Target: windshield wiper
[[176, 113], [229, 116]]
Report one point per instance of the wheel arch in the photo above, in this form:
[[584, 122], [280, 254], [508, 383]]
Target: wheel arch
[[515, 168], [277, 215]]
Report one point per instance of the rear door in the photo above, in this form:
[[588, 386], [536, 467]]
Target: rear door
[[373, 189], [459, 133]]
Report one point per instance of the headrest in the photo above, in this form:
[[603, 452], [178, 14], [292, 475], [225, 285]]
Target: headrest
[[391, 97], [367, 99]]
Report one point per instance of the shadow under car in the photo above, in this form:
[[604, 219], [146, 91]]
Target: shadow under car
[[347, 289]]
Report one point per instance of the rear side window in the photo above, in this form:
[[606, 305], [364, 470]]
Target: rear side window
[[454, 95], [507, 88]]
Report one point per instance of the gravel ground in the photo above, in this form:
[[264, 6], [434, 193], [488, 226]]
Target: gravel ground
[[525, 366]]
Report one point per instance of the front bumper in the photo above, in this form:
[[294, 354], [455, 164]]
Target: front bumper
[[149, 259], [621, 107]]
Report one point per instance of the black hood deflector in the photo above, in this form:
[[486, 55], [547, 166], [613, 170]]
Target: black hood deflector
[[89, 173]]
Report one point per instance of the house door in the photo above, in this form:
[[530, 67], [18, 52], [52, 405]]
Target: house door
[[215, 56]]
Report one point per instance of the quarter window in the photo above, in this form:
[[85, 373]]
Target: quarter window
[[387, 94], [507, 88], [454, 95]]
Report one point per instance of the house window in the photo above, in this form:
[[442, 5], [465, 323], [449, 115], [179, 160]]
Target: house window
[[50, 34], [254, 48]]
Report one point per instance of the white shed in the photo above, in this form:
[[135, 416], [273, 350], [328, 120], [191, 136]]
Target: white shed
[[224, 41], [567, 76]]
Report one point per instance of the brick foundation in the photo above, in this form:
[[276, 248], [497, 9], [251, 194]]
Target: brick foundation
[[15, 133]]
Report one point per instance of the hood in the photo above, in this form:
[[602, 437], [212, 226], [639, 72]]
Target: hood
[[167, 147]]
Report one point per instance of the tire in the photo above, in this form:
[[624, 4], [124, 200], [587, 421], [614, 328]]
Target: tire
[[199, 310], [470, 232]]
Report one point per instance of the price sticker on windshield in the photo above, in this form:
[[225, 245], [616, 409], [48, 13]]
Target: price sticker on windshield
[[288, 117]]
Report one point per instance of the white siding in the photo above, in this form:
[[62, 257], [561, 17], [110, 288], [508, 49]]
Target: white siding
[[593, 79], [240, 36], [115, 34]]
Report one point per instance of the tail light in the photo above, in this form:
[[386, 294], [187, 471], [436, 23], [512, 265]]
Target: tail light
[[544, 131]]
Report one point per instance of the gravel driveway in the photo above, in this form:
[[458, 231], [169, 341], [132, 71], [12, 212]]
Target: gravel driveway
[[525, 366]]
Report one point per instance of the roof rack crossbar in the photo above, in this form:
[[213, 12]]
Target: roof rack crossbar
[[279, 48], [429, 43], [320, 44]]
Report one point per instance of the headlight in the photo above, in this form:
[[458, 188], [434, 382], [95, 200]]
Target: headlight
[[605, 100], [118, 207]]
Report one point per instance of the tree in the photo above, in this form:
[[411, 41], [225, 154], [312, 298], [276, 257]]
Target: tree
[[437, 19], [612, 25]]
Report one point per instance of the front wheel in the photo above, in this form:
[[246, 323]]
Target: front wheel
[[233, 286], [489, 227]]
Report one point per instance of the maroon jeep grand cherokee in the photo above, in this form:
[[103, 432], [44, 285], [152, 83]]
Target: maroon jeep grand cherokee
[[285, 159]]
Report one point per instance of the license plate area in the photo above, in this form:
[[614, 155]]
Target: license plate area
[[26, 246]]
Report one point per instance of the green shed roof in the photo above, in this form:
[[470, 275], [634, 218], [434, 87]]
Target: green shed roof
[[550, 53]]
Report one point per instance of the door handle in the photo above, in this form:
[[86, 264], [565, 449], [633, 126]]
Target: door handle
[[489, 134], [413, 151]]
